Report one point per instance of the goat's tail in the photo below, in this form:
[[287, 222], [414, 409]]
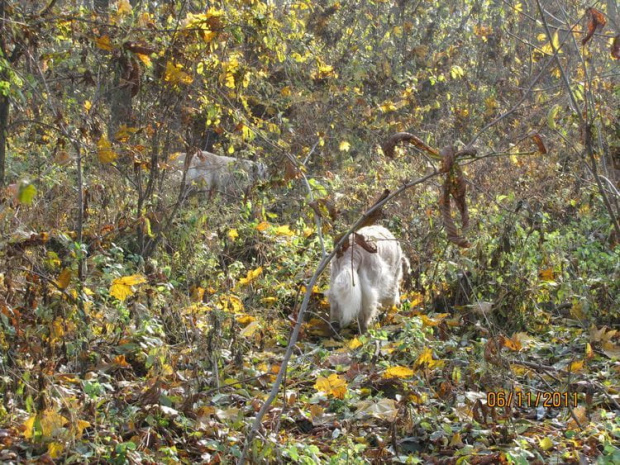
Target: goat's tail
[[347, 292]]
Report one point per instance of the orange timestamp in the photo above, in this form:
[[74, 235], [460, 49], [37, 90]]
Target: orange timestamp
[[547, 399]]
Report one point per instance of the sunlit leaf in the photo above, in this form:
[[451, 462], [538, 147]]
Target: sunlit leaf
[[251, 276], [344, 146], [354, 344], [232, 234], [284, 230], [398, 372], [121, 288], [55, 449], [333, 385]]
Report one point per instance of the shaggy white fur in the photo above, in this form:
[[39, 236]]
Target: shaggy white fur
[[226, 175], [362, 281]]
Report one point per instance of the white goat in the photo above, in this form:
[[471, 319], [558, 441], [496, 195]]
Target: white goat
[[216, 173], [362, 281]]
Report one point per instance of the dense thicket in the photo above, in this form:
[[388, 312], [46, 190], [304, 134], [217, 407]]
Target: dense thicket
[[140, 322]]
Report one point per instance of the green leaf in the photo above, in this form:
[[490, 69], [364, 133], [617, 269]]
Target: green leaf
[[26, 193]]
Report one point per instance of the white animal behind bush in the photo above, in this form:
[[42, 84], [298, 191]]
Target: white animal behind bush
[[216, 173], [362, 281]]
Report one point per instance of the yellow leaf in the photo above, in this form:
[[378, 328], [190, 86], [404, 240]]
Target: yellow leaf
[[285, 91], [284, 231], [307, 232], [576, 366], [251, 276], [545, 444], [104, 43], [268, 300], [231, 303], [245, 319], [121, 287], [51, 421], [344, 146], [104, 150], [333, 385], [29, 427], [55, 449], [80, 426], [87, 105], [388, 107], [398, 372], [250, 329], [426, 357], [426, 321], [233, 234], [124, 7], [145, 59], [589, 351], [64, 278], [546, 274], [229, 81], [174, 74], [354, 344]]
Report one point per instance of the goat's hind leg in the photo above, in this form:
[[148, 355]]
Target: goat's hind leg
[[370, 304]]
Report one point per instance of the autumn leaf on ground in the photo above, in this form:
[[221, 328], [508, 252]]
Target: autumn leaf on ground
[[344, 146], [383, 409], [333, 385], [398, 372], [121, 288], [426, 358]]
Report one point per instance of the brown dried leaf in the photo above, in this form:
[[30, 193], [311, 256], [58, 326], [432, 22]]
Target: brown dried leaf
[[390, 144], [595, 19], [615, 48], [539, 143]]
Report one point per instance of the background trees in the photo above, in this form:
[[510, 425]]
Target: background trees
[[112, 275]]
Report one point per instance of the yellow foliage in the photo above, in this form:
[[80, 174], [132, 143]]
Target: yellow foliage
[[284, 231], [124, 7], [333, 385], [55, 449], [121, 288], [344, 146], [104, 43], [354, 344], [104, 150], [64, 278], [233, 234], [251, 276], [175, 75], [398, 372], [231, 303]]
